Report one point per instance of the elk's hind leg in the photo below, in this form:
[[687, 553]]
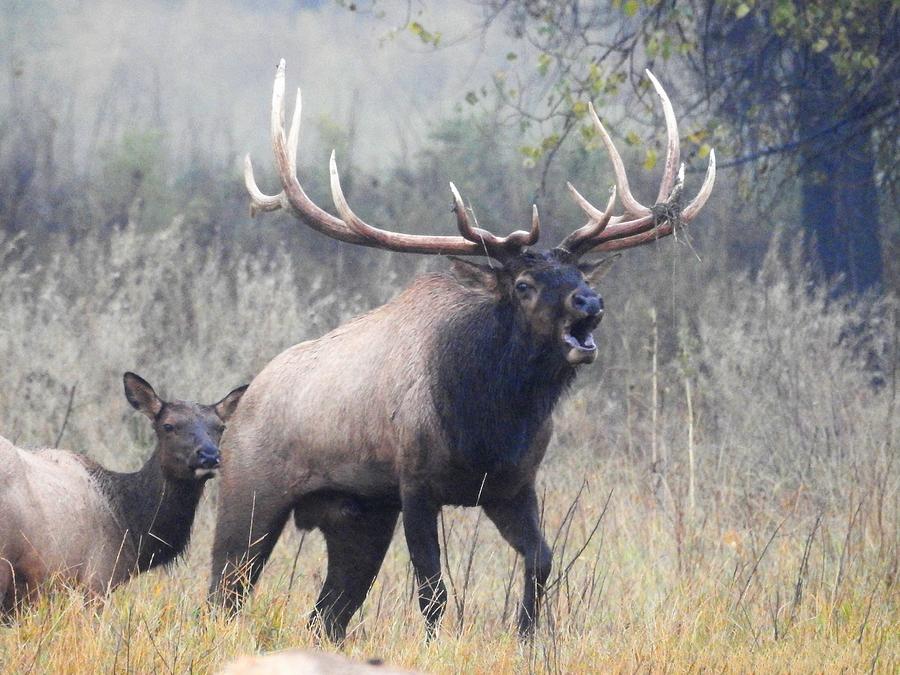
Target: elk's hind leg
[[357, 537], [420, 514]]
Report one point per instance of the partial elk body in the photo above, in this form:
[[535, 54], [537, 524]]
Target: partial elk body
[[443, 396], [298, 662], [66, 519]]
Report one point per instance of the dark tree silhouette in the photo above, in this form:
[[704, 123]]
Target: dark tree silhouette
[[822, 80]]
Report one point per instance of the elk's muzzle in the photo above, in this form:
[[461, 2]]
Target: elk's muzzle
[[207, 457], [586, 310]]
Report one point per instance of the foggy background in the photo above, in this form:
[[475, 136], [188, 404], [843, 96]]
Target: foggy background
[[203, 71]]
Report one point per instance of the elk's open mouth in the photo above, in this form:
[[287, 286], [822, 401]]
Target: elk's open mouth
[[579, 340]]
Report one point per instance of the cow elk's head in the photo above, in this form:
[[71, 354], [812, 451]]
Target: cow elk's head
[[187, 434], [552, 291]]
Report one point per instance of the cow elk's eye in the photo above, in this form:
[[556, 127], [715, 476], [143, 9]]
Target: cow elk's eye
[[168, 428], [523, 287]]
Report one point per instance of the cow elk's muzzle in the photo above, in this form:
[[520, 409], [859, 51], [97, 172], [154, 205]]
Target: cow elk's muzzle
[[206, 461]]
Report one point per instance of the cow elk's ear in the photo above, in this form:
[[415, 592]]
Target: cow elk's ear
[[595, 270], [475, 275], [226, 407], [141, 395]]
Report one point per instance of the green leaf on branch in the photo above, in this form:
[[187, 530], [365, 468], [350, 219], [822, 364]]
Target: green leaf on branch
[[544, 63], [549, 142], [698, 136], [424, 35], [820, 45], [530, 155]]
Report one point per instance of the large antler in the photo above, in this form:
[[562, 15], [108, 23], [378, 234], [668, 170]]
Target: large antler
[[349, 227], [639, 224]]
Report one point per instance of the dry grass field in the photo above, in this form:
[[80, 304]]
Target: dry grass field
[[721, 494]]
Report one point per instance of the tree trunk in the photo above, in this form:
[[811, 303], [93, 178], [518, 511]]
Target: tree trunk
[[837, 172]]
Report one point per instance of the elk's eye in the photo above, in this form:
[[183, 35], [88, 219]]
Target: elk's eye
[[523, 287], [168, 428]]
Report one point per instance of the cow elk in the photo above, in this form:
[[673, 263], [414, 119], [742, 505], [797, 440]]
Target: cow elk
[[66, 519], [442, 396]]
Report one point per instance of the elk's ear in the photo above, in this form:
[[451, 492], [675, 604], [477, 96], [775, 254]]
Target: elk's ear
[[141, 395], [595, 270], [473, 274], [226, 407]]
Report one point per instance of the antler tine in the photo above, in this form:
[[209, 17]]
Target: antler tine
[[592, 211], [294, 133], [582, 237], [517, 240], [672, 144], [340, 202], [462, 216], [632, 205], [697, 203], [535, 232], [259, 201], [514, 241]]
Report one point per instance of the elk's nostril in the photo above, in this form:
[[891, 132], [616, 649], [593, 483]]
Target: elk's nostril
[[589, 304], [208, 455]]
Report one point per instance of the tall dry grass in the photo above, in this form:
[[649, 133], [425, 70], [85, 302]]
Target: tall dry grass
[[721, 493]]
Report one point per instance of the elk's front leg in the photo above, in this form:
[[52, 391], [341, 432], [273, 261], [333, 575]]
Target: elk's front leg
[[420, 527], [248, 525], [519, 523], [7, 591]]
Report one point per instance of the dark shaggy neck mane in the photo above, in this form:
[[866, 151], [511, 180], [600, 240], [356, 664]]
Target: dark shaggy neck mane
[[156, 512], [494, 387]]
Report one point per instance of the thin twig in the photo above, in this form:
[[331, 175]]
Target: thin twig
[[574, 559], [759, 559], [296, 558], [65, 421]]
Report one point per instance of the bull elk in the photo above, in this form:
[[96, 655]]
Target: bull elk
[[67, 519], [442, 396]]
